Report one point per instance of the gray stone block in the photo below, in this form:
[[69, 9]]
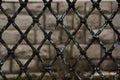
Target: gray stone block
[[114, 6], [62, 7], [3, 51], [23, 51], [3, 21], [39, 36], [80, 36], [94, 51], [45, 51], [107, 36], [77, 21], [80, 6], [50, 21], [8, 7], [23, 21], [106, 7], [56, 37], [83, 66], [93, 21], [116, 20], [108, 65], [13, 36], [68, 21], [6, 66], [89, 7]]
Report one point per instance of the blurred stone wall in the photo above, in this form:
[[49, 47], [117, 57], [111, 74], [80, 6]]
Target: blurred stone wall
[[35, 36]]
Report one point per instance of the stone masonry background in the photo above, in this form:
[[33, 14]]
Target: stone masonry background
[[35, 36]]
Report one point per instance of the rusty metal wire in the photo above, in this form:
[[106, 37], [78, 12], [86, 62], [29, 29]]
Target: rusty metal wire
[[48, 68]]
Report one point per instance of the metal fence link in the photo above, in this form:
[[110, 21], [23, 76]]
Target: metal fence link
[[48, 67]]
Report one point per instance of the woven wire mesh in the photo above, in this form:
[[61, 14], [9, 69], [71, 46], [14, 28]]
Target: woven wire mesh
[[48, 67]]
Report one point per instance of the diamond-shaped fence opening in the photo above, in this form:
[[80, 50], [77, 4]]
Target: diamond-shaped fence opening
[[59, 40], [106, 38], [35, 8], [11, 38], [93, 21], [23, 21]]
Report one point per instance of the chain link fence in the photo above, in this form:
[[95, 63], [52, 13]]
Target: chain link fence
[[72, 69]]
